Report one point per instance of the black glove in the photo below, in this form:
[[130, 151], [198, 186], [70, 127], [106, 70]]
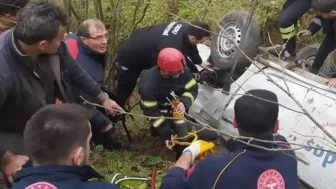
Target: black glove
[[206, 76]]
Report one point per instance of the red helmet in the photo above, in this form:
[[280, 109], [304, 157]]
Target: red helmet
[[171, 60]]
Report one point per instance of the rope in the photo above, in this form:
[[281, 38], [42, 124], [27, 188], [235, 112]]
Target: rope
[[193, 134]]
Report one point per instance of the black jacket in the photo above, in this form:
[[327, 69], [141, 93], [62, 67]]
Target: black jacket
[[320, 22], [27, 86], [141, 49], [154, 91]]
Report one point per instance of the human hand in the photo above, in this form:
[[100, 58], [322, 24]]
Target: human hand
[[112, 107], [199, 148], [10, 164], [205, 65], [180, 109], [332, 82], [304, 33], [170, 143]]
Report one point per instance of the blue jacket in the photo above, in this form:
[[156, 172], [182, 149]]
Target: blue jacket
[[246, 167], [94, 64], [60, 176]]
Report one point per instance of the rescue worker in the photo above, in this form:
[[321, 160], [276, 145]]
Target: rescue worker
[[257, 168], [140, 51], [328, 44], [291, 12], [9, 13], [327, 9], [57, 138], [88, 47], [169, 77], [35, 70]]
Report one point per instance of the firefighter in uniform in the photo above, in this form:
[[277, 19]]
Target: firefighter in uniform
[[291, 12], [328, 44], [169, 79], [140, 51], [327, 9]]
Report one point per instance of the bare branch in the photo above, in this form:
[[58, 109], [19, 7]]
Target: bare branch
[[208, 127]]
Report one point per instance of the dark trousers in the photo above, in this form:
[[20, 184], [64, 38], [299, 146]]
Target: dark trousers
[[291, 12], [127, 80], [326, 47], [177, 148], [12, 142]]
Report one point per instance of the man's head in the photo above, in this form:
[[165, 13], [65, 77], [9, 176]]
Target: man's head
[[59, 135], [326, 8], [41, 26], [198, 32], [256, 117], [171, 63], [9, 10], [93, 33]]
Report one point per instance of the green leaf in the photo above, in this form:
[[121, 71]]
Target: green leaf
[[109, 178], [143, 186], [132, 183], [157, 184], [153, 161]]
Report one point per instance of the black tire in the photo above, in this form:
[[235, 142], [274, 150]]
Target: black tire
[[234, 22], [308, 54]]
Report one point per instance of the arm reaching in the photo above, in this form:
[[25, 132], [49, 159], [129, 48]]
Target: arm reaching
[[191, 90]]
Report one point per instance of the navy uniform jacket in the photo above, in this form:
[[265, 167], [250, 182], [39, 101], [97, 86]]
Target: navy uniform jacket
[[246, 167], [60, 177], [140, 50]]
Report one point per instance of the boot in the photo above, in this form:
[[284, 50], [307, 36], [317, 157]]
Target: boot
[[110, 141]]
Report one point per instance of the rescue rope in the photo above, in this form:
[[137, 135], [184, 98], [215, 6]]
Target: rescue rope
[[193, 134]]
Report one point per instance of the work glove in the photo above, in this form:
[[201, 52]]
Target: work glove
[[199, 149]]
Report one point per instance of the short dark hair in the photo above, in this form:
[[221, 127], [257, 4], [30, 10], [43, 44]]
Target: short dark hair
[[11, 6], [54, 130], [323, 6], [83, 29], [39, 20], [197, 32], [254, 115]]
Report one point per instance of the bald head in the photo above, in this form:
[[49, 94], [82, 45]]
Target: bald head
[[84, 27]]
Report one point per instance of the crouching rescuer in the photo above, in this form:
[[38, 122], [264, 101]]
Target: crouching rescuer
[[250, 163], [168, 90]]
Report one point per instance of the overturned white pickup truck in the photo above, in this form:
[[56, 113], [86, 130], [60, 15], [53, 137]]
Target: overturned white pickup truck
[[215, 106]]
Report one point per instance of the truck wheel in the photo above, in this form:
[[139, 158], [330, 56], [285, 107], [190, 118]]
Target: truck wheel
[[223, 52], [308, 54]]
